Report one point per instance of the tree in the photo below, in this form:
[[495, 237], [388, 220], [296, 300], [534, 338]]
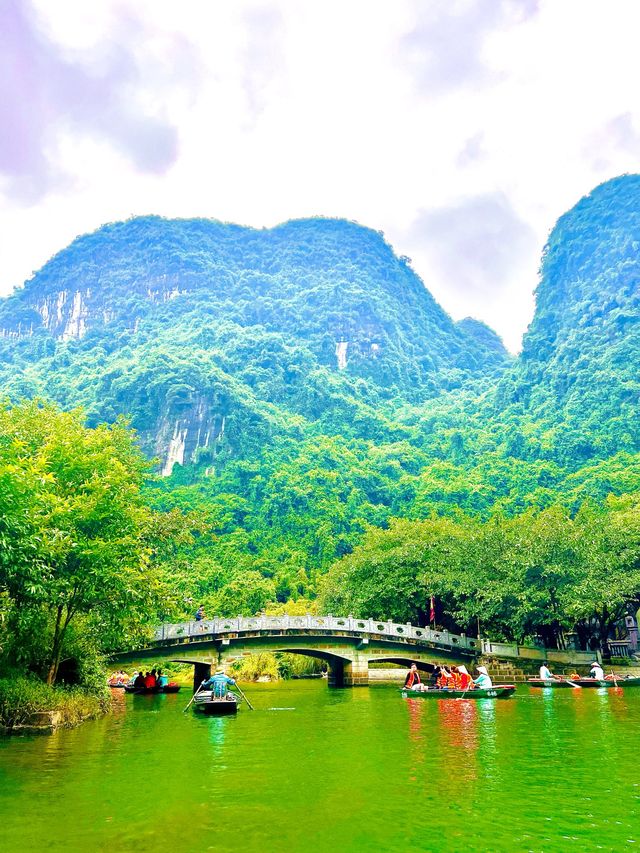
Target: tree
[[73, 522]]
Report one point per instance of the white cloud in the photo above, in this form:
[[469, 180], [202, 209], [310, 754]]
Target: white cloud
[[387, 113]]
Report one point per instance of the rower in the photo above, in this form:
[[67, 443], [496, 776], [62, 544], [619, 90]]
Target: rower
[[596, 671], [545, 672], [483, 681], [412, 681], [218, 684]]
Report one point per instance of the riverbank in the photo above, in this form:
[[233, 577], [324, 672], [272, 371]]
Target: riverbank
[[31, 707]]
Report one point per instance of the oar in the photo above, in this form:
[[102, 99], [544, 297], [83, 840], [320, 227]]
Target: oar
[[192, 698], [615, 680], [244, 697], [466, 690], [572, 684]]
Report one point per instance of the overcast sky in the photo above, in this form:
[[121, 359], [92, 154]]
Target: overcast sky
[[461, 128]]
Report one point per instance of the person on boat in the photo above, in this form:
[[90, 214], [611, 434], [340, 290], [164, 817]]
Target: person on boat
[[150, 680], [132, 680], [412, 681], [596, 671], [218, 684], [483, 681], [545, 672], [139, 682], [162, 680], [462, 677], [446, 680]]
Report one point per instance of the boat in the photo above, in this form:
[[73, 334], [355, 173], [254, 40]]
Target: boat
[[498, 691], [607, 682], [217, 706], [141, 691]]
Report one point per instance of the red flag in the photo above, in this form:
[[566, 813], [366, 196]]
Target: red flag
[[432, 611]]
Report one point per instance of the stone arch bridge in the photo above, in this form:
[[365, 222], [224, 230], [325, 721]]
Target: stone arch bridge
[[348, 645]]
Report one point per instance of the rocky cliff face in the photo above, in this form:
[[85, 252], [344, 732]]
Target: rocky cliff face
[[161, 319]]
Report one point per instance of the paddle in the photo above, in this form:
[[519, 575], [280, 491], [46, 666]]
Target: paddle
[[244, 697], [615, 680], [193, 697], [466, 690], [572, 683]]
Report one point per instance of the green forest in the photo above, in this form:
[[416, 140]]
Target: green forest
[[285, 419]]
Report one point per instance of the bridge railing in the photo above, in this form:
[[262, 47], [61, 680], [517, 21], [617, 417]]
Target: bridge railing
[[334, 624]]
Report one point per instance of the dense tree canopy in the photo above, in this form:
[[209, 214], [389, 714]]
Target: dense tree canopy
[[318, 412]]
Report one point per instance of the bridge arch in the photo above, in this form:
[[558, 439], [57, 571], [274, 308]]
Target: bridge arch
[[338, 665]]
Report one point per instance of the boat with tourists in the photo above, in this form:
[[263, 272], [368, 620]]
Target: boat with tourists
[[217, 706], [140, 691], [496, 691]]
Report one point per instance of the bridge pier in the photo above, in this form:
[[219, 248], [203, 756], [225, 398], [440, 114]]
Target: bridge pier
[[201, 671], [356, 672]]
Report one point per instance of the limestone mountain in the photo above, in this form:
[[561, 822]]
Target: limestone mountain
[[212, 337], [578, 370]]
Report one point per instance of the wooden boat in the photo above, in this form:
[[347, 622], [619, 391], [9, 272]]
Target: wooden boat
[[141, 691], [498, 691], [206, 703], [608, 681]]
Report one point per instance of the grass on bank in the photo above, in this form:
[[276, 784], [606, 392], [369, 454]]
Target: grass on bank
[[22, 697]]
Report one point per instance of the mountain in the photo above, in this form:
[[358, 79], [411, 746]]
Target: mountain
[[577, 375], [213, 338]]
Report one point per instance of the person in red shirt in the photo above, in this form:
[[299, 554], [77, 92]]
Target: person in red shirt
[[150, 680]]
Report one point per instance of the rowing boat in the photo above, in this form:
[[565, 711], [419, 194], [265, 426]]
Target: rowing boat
[[609, 681], [140, 691], [216, 706], [498, 691]]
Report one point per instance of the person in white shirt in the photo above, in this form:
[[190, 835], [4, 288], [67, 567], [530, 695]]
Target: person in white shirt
[[545, 672], [596, 671], [483, 681]]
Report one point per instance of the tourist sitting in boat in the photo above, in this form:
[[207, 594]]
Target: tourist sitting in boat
[[446, 680], [462, 679], [597, 671], [162, 680], [132, 680], [412, 681], [139, 682], [483, 681], [545, 672], [150, 680], [218, 684]]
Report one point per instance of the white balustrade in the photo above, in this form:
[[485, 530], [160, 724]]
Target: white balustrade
[[207, 628]]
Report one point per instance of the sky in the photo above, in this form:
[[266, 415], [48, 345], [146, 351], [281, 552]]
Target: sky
[[460, 128]]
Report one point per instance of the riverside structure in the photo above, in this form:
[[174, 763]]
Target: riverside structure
[[348, 645]]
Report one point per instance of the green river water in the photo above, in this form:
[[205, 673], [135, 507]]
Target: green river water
[[314, 770]]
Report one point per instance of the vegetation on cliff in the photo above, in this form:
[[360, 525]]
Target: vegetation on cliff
[[318, 412]]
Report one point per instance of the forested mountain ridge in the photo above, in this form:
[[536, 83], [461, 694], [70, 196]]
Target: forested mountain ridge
[[310, 388], [197, 330], [578, 370]]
